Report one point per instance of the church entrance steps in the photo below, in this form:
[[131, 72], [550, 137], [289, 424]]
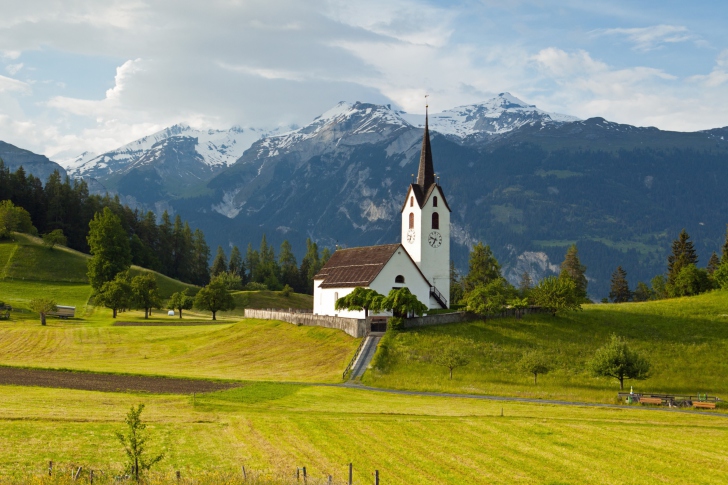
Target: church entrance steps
[[369, 348]]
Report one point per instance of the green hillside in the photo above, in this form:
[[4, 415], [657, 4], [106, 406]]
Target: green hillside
[[685, 339]]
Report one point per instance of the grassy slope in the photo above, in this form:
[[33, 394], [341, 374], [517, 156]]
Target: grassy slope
[[685, 339], [251, 349], [409, 439]]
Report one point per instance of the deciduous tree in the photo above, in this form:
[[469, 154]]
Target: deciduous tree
[[145, 293], [43, 306], [617, 360], [535, 362], [361, 299], [53, 238], [487, 299], [109, 245], [180, 301], [134, 440], [214, 298], [556, 295], [401, 302], [115, 294], [452, 355]]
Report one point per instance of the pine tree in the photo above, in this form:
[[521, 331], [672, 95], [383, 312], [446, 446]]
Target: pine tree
[[683, 254], [572, 268], [526, 283], [166, 244], [288, 265], [235, 266], [219, 264], [724, 255], [310, 265], [620, 288], [252, 260], [201, 255], [713, 263], [482, 267]]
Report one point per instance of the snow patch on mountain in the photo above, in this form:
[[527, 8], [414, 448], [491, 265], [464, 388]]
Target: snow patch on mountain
[[496, 116]]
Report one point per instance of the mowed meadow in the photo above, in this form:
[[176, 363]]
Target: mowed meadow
[[685, 340], [289, 409], [274, 428]]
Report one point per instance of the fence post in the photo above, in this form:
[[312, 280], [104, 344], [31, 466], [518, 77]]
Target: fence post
[[91, 476], [376, 477], [331, 480], [304, 475], [245, 475], [351, 473], [50, 468], [298, 474], [179, 475]]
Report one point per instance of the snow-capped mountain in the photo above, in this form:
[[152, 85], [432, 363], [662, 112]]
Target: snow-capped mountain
[[497, 116], [216, 148]]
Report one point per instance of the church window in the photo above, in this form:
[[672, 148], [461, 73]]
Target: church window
[[435, 220], [434, 201], [412, 220], [412, 200], [399, 279]]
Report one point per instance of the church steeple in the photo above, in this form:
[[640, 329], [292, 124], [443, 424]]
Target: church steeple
[[426, 172]]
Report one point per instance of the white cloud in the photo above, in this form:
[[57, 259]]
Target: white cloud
[[653, 37], [10, 84], [13, 69]]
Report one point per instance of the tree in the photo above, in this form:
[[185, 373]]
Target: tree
[[456, 285], [214, 298], [534, 362], [288, 265], [145, 293], [54, 237], [724, 252], [572, 268], [524, 286], [235, 266], [690, 281], [482, 267], [115, 294], [452, 355], [233, 282], [401, 302], [134, 442], [14, 218], [43, 306], [713, 263], [619, 292], [487, 299], [180, 301], [219, 265], [720, 276], [683, 254], [556, 295], [360, 299], [200, 274], [659, 287], [617, 360], [109, 245], [642, 292]]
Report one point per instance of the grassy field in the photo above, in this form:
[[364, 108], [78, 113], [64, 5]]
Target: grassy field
[[410, 440], [686, 340], [251, 349]]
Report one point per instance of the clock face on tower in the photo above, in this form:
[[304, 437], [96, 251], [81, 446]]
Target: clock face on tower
[[411, 236], [435, 239]]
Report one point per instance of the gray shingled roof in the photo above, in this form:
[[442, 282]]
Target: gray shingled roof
[[355, 266]]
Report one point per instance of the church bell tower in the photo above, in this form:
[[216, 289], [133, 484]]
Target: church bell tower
[[426, 226]]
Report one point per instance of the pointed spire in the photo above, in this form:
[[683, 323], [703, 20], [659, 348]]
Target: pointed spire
[[426, 172]]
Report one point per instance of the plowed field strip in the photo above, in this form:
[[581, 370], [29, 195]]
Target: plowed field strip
[[107, 382]]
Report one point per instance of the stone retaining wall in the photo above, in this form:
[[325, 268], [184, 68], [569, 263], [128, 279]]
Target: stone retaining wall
[[353, 326], [445, 318]]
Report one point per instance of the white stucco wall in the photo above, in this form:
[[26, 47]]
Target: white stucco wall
[[400, 264]]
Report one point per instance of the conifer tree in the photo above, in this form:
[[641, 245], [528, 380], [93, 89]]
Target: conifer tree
[[288, 265], [713, 263], [483, 268], [219, 265], [724, 255], [252, 260], [235, 266], [200, 272], [526, 282], [683, 254], [572, 268], [620, 288]]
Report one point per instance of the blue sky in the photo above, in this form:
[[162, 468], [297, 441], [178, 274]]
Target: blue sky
[[87, 75]]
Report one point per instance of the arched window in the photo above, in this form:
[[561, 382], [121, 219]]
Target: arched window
[[412, 200], [435, 220], [399, 279], [412, 220], [434, 201]]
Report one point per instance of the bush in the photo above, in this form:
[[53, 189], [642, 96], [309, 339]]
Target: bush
[[255, 286], [232, 281], [396, 324], [286, 291]]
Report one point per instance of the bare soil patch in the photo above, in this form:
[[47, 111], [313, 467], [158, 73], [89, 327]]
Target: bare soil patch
[[88, 381]]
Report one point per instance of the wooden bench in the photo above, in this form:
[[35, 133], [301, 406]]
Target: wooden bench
[[650, 400], [704, 405]]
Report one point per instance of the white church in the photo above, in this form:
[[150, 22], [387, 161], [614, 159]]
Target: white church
[[421, 262]]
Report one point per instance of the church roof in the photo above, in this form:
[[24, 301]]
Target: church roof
[[426, 172], [355, 266]]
